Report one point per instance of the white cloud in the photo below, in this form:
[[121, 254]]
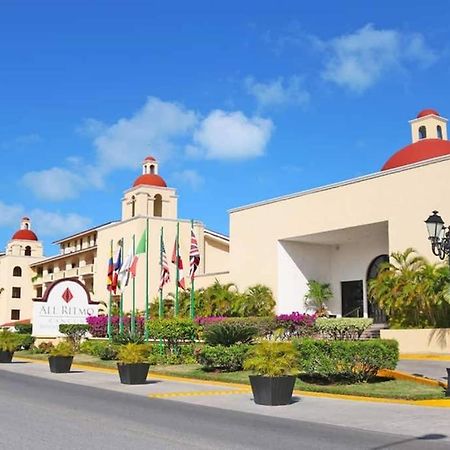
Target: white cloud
[[43, 222], [359, 60], [277, 92], [10, 214], [47, 223], [158, 128], [189, 177], [232, 135], [55, 184], [152, 129]]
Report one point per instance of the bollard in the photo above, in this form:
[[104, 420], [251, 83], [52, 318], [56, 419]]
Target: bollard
[[447, 392]]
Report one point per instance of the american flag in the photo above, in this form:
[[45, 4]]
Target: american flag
[[178, 262], [194, 256], [165, 274]]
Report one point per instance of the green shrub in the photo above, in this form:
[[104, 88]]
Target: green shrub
[[222, 358], [74, 332], [273, 359], [63, 348], [128, 337], [43, 348], [26, 341], [132, 353], [353, 361], [105, 351], [161, 354], [229, 332], [23, 328], [9, 342], [173, 331], [342, 328]]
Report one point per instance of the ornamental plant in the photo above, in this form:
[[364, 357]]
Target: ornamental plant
[[295, 325], [9, 342], [342, 328], [63, 348], [222, 358], [173, 331], [132, 353], [317, 297], [229, 332], [273, 359], [98, 325], [74, 333]]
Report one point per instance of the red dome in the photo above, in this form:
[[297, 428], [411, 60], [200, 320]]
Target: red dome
[[428, 112], [24, 235], [150, 179], [149, 158], [419, 151]]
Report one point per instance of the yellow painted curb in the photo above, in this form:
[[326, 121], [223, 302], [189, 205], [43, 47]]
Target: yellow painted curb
[[398, 375], [196, 393], [243, 388], [427, 357]]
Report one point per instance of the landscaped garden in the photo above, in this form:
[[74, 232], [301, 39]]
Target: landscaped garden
[[233, 343]]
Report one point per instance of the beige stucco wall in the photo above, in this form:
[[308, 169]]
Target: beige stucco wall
[[421, 340], [8, 281], [403, 198], [216, 255]]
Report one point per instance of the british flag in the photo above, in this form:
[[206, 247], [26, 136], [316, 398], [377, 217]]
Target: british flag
[[165, 274], [194, 256]]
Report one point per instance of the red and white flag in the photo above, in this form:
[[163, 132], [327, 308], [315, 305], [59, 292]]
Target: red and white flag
[[176, 250], [165, 274], [194, 256]]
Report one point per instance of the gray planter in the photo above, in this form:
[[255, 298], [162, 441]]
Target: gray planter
[[272, 391], [133, 373], [60, 364], [5, 356]]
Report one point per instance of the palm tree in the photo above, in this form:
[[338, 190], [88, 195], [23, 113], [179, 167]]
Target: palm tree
[[412, 292], [317, 296]]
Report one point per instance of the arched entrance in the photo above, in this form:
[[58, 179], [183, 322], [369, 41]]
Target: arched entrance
[[373, 310]]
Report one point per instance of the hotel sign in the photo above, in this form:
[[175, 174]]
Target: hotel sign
[[64, 302]]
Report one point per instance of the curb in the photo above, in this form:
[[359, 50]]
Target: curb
[[424, 356], [398, 375], [245, 388]]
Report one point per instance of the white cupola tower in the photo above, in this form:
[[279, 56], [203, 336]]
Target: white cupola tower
[[150, 196], [428, 125]]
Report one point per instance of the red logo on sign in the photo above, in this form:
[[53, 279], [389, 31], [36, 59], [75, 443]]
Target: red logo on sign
[[67, 295]]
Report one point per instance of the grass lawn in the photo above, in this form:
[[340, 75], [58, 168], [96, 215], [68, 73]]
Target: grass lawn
[[380, 387]]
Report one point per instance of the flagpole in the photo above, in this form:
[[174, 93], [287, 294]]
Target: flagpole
[[161, 307], [192, 305], [121, 242], [177, 277], [147, 315], [133, 309], [109, 332]]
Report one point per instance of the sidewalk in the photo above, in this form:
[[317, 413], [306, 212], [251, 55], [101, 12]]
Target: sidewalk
[[425, 368], [406, 419]]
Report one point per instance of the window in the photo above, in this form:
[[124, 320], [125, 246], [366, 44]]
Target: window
[[15, 314], [27, 250], [152, 169], [422, 132], [17, 271], [16, 292], [39, 292], [157, 206], [439, 132], [133, 206]]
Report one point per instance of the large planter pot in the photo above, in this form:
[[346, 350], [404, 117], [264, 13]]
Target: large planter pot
[[133, 373], [272, 391], [5, 356], [60, 364]]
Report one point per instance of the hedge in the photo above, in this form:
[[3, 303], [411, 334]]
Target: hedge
[[342, 328], [98, 325], [346, 360], [222, 358]]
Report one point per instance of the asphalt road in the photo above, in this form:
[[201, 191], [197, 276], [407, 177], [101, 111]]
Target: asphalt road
[[42, 414]]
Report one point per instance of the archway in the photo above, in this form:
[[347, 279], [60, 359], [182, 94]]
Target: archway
[[373, 310]]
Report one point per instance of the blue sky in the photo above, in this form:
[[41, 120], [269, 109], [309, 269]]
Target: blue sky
[[240, 102]]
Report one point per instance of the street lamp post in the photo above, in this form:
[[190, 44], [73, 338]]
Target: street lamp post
[[439, 236]]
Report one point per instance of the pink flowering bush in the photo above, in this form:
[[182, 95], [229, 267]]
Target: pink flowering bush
[[297, 324], [98, 325]]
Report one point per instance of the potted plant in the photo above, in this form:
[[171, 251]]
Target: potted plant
[[275, 367], [132, 365], [9, 342], [61, 357]]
